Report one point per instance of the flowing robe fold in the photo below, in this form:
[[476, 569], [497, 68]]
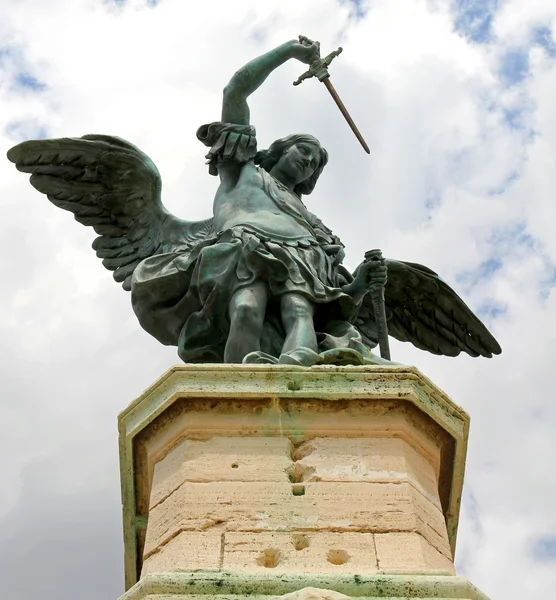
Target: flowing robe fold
[[182, 297]]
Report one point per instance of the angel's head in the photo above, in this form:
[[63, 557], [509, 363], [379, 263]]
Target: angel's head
[[300, 156]]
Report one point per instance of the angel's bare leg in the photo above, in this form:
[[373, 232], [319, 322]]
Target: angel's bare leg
[[247, 310], [297, 318]]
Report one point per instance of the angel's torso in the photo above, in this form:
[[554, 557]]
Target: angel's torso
[[259, 201]]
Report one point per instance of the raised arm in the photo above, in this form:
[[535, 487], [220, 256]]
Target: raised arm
[[254, 73]]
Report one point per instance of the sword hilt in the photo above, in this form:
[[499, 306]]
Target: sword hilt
[[319, 68], [374, 255]]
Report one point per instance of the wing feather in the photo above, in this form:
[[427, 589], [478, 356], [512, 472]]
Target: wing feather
[[127, 250], [113, 187], [425, 311]]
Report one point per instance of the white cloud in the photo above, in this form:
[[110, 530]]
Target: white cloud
[[450, 183]]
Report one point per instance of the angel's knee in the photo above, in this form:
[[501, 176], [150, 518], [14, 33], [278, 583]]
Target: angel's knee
[[247, 309]]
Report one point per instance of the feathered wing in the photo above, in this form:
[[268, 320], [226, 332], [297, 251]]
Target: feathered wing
[[110, 185], [424, 310]]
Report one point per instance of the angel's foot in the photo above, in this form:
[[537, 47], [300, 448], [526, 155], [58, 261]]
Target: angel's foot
[[259, 358], [337, 356], [304, 357]]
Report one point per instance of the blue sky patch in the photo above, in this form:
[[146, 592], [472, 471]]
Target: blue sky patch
[[491, 310], [514, 117], [473, 19], [20, 76], [29, 129], [484, 271], [504, 185], [433, 199], [548, 282], [122, 3], [544, 38], [514, 66], [358, 8], [545, 549], [515, 237], [27, 81], [515, 234]]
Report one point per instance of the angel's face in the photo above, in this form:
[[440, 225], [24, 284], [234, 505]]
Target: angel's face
[[300, 160]]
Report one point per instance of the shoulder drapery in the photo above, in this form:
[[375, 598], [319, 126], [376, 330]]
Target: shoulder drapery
[[227, 142]]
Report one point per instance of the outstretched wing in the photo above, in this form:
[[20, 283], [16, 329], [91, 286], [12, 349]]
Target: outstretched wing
[[424, 310], [110, 185]]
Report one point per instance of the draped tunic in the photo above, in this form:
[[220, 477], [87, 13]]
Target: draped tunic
[[182, 297]]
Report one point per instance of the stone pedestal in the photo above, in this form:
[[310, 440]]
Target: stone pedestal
[[278, 480]]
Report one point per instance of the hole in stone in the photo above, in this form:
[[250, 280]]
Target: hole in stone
[[298, 489], [235, 465], [269, 558], [300, 542], [337, 557]]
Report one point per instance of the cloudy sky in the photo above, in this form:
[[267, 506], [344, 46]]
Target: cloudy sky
[[456, 100]]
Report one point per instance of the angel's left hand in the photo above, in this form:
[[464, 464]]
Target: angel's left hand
[[367, 274], [371, 272]]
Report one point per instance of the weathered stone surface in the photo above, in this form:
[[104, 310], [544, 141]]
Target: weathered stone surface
[[310, 593], [326, 594], [348, 507], [262, 586], [377, 450], [188, 551], [222, 459], [380, 460], [406, 552], [300, 552]]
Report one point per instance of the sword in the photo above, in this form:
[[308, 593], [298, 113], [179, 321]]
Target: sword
[[319, 69], [379, 308]]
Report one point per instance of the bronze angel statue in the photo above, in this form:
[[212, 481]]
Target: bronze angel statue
[[263, 279]]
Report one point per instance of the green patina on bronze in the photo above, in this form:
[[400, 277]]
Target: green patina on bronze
[[262, 280]]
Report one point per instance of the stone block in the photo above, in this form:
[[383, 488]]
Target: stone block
[[380, 460], [300, 586], [299, 552], [314, 506], [409, 552], [188, 551], [235, 458]]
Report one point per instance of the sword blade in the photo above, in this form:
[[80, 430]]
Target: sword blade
[[344, 111], [379, 308], [377, 297]]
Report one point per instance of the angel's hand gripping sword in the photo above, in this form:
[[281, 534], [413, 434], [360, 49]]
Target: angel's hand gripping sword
[[319, 69]]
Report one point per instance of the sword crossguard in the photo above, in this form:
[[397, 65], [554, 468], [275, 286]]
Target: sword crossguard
[[319, 68]]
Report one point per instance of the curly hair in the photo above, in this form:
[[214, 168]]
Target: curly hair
[[268, 158]]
